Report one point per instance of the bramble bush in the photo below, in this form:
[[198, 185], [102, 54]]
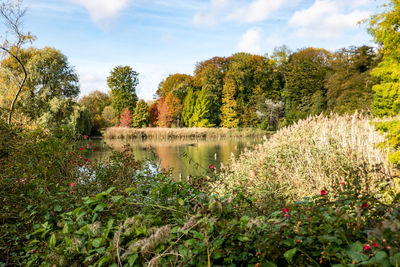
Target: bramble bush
[[59, 208]]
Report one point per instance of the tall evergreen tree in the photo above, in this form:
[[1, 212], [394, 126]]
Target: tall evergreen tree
[[141, 116], [188, 108], [201, 112], [229, 116]]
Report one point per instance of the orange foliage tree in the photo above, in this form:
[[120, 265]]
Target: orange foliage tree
[[126, 118], [164, 114]]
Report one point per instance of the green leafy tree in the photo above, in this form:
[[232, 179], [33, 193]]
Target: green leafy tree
[[177, 84], [210, 79], [141, 116], [122, 82], [80, 121], [188, 108], [109, 116], [348, 82], [384, 28], [50, 79], [305, 90], [95, 102], [201, 112], [229, 116]]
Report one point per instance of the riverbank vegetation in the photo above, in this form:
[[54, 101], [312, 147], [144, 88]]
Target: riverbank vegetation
[[180, 133], [58, 207]]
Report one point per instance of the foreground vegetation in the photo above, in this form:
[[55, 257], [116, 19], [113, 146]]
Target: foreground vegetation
[[58, 207], [180, 133]]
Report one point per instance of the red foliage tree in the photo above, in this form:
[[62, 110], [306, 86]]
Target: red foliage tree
[[153, 110], [126, 118], [164, 114]]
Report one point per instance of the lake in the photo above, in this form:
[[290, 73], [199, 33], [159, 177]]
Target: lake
[[183, 157]]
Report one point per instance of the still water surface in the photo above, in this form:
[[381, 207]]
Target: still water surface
[[183, 157]]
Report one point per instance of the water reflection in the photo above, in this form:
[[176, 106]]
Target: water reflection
[[184, 157]]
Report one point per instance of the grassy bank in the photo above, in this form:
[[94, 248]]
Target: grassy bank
[[319, 152], [180, 133]]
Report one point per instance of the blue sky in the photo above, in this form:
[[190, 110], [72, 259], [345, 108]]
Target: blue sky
[[161, 37]]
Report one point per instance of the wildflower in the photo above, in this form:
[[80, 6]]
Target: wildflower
[[72, 185], [309, 218], [32, 250], [95, 147], [211, 166], [71, 153], [375, 245], [364, 205], [86, 159], [81, 148], [85, 136], [388, 248], [90, 144], [366, 247], [323, 192], [343, 183], [115, 180], [286, 210]]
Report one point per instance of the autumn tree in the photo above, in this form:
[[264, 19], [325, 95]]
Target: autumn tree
[[125, 118], [122, 82], [153, 113], [176, 84], [229, 116], [12, 13], [141, 116], [164, 114], [384, 28]]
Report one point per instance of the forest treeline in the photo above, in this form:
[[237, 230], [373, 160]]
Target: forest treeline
[[242, 90]]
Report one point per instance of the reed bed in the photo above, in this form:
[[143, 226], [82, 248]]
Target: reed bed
[[313, 154], [180, 133]]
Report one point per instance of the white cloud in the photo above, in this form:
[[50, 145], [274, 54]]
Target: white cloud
[[257, 10], [211, 15], [103, 10], [251, 41], [327, 19]]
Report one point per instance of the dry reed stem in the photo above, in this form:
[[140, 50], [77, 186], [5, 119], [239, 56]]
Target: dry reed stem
[[178, 133]]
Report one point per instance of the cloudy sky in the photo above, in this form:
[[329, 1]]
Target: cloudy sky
[[160, 37]]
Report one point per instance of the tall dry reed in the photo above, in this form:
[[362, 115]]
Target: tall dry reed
[[313, 154], [179, 133]]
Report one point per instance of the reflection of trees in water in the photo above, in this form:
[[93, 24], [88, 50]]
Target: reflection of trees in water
[[169, 153]]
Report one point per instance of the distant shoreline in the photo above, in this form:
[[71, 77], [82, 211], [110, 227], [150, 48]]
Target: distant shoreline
[[181, 133]]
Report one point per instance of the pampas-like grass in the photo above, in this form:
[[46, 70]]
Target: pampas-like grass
[[313, 154]]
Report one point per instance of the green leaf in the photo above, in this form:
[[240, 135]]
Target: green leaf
[[96, 242], [100, 207], [132, 259], [181, 202], [381, 256], [290, 254], [395, 260], [130, 189], [52, 241], [57, 208], [269, 264], [116, 199]]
